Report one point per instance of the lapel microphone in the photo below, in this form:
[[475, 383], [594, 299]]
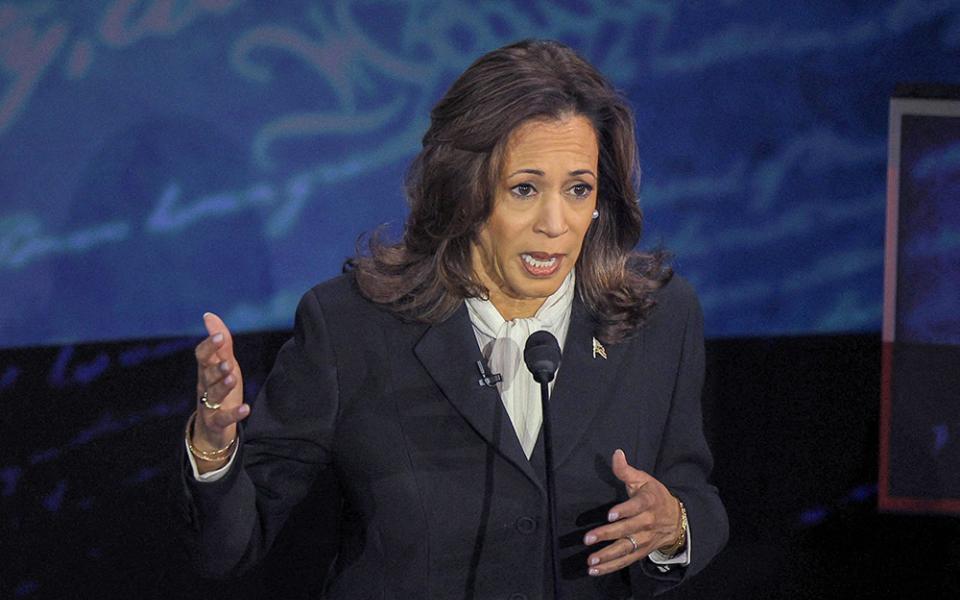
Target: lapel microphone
[[487, 379]]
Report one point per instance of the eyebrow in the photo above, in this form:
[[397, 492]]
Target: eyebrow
[[540, 173]]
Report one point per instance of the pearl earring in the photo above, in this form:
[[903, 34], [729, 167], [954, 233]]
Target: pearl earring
[[596, 214]]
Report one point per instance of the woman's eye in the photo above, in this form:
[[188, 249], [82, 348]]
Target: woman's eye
[[523, 190], [581, 190]]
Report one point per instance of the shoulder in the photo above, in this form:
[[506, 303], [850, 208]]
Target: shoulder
[[677, 294], [676, 305], [341, 296], [343, 308], [359, 335], [337, 291]]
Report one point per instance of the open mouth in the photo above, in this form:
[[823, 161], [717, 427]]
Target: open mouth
[[540, 264]]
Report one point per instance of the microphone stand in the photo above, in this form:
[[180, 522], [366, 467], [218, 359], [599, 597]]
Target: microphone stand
[[552, 528], [541, 354]]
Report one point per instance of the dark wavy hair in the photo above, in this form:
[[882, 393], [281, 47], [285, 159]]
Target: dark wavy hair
[[450, 188]]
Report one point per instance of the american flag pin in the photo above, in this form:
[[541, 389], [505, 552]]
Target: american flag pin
[[598, 349]]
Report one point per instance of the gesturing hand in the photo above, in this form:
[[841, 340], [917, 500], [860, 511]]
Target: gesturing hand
[[650, 517], [219, 376]]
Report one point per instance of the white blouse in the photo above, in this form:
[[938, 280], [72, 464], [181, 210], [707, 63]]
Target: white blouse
[[502, 343]]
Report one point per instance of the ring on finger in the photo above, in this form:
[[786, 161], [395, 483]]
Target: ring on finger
[[213, 406], [633, 542]]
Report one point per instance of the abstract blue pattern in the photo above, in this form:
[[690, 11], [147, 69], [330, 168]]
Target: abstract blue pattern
[[160, 159]]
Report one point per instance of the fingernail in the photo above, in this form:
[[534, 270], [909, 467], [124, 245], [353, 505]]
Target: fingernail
[[594, 572], [224, 366], [228, 380], [218, 338], [594, 561], [589, 539], [207, 313], [243, 410], [620, 451], [613, 516]]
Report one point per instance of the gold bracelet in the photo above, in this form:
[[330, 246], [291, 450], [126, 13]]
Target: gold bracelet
[[681, 540], [212, 456], [209, 457], [200, 453]]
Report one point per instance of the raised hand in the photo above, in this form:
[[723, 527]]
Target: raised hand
[[219, 393], [650, 518]]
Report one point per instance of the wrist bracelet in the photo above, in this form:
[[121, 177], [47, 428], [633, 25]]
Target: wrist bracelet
[[681, 540], [213, 455]]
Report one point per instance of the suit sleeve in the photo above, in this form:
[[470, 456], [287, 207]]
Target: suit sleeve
[[285, 444], [684, 462]]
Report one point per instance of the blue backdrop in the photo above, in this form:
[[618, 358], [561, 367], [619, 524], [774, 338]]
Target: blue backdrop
[[159, 159]]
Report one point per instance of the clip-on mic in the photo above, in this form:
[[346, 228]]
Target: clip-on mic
[[487, 379]]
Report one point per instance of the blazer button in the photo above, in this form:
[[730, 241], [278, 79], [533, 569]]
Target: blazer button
[[518, 597], [526, 525]]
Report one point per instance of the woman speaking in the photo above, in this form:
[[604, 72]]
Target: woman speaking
[[405, 385]]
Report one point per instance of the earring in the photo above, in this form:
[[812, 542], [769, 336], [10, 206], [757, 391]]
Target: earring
[[596, 214]]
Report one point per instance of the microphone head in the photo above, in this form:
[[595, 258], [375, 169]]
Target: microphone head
[[542, 355]]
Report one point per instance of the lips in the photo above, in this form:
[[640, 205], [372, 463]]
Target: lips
[[540, 264]]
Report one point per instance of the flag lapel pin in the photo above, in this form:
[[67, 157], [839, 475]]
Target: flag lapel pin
[[598, 349]]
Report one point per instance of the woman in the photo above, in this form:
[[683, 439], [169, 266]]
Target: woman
[[523, 216]]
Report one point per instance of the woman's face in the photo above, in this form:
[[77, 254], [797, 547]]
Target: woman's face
[[543, 205]]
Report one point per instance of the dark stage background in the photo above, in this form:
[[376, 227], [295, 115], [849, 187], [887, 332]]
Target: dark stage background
[[159, 159]]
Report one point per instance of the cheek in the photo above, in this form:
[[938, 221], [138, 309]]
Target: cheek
[[501, 235], [493, 242], [583, 227]]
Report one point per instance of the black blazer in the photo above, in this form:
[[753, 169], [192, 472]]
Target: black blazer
[[438, 499]]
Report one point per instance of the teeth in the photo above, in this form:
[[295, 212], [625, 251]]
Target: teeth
[[539, 264]]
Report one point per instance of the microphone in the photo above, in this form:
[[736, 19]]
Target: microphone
[[541, 354], [487, 379]]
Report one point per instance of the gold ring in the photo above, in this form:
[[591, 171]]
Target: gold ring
[[206, 403], [636, 546]]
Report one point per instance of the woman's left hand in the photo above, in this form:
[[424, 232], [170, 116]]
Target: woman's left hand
[[651, 517]]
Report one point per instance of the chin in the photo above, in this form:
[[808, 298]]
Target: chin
[[530, 287]]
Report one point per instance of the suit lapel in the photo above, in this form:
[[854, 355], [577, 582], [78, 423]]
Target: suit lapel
[[449, 352], [583, 382]]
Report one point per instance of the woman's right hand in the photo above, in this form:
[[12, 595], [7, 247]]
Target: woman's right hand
[[218, 374]]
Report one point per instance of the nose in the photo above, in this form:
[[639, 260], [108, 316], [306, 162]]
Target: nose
[[552, 217]]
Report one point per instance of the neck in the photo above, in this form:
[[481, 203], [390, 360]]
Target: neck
[[511, 308]]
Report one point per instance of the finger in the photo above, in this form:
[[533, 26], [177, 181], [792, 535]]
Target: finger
[[224, 418], [207, 351], [642, 522], [217, 392], [619, 562], [212, 374], [215, 325], [617, 549], [639, 503], [634, 478]]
